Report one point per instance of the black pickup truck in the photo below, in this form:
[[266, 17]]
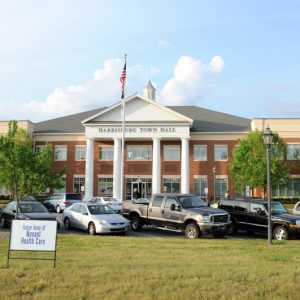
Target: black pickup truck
[[251, 215], [182, 212]]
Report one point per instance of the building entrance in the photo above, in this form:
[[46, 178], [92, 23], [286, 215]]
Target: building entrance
[[138, 188]]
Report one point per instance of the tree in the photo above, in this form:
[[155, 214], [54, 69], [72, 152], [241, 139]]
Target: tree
[[22, 171], [249, 163]]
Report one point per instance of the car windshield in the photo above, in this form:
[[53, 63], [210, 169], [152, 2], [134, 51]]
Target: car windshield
[[191, 201], [100, 210], [276, 208], [32, 208]]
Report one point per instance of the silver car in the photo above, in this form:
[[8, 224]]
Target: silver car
[[95, 218], [110, 201], [59, 201]]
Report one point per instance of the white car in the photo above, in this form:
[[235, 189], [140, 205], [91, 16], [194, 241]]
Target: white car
[[110, 201], [95, 218], [296, 210]]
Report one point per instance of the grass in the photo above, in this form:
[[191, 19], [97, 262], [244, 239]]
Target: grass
[[105, 267]]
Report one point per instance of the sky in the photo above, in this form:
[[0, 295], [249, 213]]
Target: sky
[[62, 57]]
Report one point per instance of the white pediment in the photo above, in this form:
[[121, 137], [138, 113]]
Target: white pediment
[[138, 109]]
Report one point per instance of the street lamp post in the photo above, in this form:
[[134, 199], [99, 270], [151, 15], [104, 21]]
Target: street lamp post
[[214, 172], [268, 139]]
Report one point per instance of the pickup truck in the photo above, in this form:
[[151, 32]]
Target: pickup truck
[[184, 212]]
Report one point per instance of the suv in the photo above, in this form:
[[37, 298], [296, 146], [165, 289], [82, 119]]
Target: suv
[[59, 201], [252, 215]]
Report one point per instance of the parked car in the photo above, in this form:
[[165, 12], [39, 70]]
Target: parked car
[[28, 198], [251, 215], [58, 201], [296, 209], [28, 210], [110, 201], [182, 212], [95, 218]]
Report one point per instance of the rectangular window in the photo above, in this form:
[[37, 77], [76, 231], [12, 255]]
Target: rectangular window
[[172, 153], [60, 152], [106, 153], [80, 152], [139, 152], [221, 186], [105, 186], [78, 186], [221, 152], [293, 151], [200, 185], [171, 185], [290, 189], [200, 152]]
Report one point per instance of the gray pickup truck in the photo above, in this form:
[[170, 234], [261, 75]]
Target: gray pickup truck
[[182, 212]]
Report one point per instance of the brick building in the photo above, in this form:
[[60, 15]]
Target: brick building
[[167, 149]]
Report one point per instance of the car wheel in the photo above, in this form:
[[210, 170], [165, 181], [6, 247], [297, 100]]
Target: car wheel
[[280, 233], [136, 223], [219, 235], [92, 229], [67, 224], [192, 231], [58, 209], [232, 230], [2, 222]]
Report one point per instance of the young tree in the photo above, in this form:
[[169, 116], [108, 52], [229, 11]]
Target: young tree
[[249, 163], [23, 171]]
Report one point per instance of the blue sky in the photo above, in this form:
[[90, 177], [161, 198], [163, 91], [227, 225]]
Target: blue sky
[[63, 57]]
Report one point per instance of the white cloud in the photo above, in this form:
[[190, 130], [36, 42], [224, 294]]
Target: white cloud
[[191, 82], [103, 89]]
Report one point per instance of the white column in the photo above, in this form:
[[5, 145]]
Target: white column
[[185, 166], [156, 167], [89, 168], [117, 169]]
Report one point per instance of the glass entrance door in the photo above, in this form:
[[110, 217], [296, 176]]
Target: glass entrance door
[[142, 188]]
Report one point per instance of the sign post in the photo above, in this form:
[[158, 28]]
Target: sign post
[[33, 235]]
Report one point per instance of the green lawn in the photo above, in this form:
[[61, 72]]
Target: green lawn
[[104, 267]]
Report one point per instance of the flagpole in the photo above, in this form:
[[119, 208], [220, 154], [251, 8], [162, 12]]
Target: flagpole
[[123, 139]]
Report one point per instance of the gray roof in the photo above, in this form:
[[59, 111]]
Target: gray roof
[[205, 120]]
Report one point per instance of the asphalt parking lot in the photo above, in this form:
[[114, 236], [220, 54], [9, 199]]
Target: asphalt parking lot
[[148, 231]]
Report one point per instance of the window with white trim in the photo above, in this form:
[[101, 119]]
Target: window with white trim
[[172, 152], [60, 152], [293, 151], [221, 186], [78, 185], [200, 152], [171, 185], [221, 152], [290, 189], [80, 152], [105, 186], [106, 153], [139, 152], [200, 185]]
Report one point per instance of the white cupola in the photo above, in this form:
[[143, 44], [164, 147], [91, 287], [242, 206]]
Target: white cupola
[[149, 91]]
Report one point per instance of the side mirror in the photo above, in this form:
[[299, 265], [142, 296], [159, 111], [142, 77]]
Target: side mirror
[[172, 207]]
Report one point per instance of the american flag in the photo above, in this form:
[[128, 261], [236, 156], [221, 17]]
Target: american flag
[[122, 79]]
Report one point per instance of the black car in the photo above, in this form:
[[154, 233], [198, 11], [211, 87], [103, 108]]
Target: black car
[[28, 210], [251, 215]]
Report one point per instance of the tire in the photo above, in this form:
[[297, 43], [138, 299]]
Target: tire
[[280, 233], [219, 235], [58, 209], [67, 224], [136, 223], [232, 230], [192, 231], [2, 222], [92, 228]]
